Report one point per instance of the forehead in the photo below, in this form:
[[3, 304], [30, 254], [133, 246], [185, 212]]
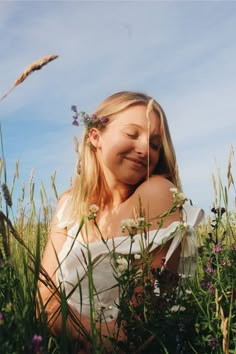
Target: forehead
[[136, 115]]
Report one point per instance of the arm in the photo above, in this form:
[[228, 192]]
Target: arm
[[78, 326]]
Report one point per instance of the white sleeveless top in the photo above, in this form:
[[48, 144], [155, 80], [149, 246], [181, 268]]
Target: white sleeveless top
[[73, 258]]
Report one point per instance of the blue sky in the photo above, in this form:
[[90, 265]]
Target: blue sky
[[183, 53]]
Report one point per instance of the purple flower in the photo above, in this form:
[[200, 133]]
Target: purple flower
[[103, 120], [36, 344], [209, 270], [74, 108], [213, 343], [75, 122], [217, 249], [205, 284], [75, 116]]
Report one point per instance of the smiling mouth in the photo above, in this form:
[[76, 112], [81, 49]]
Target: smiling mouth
[[140, 163]]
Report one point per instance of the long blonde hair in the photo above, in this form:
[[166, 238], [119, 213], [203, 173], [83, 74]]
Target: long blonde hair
[[89, 184]]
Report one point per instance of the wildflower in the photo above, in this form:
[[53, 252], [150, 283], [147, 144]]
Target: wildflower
[[157, 290], [177, 308], [137, 256], [121, 265], [37, 344], [129, 223], [87, 120], [188, 291], [205, 284], [104, 120], [213, 343], [93, 209], [74, 108], [179, 198], [1, 319], [209, 270], [217, 249]]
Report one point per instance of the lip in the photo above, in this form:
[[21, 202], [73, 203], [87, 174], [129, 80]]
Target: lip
[[136, 161]]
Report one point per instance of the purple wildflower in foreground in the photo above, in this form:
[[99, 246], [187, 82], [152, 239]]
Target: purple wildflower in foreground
[[209, 270], [217, 249], [213, 343], [36, 344], [208, 285]]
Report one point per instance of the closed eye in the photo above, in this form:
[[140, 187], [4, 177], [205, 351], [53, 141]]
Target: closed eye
[[132, 135]]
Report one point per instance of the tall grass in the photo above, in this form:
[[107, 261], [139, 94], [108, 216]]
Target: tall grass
[[189, 315]]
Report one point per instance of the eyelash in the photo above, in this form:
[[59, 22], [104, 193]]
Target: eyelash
[[153, 146], [133, 136]]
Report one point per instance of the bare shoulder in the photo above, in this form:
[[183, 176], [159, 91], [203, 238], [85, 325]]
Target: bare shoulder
[[64, 197], [156, 187], [156, 196], [156, 181]]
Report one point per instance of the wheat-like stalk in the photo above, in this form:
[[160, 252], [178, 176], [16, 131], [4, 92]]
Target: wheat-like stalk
[[229, 174], [37, 65]]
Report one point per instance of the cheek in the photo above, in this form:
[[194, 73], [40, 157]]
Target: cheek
[[155, 157]]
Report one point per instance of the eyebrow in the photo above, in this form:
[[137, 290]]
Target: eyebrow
[[154, 135]]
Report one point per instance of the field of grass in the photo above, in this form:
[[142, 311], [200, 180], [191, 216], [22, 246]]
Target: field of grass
[[189, 315]]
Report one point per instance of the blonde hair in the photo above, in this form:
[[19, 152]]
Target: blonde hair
[[89, 184]]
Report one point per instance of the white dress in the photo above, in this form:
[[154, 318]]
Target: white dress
[[73, 258]]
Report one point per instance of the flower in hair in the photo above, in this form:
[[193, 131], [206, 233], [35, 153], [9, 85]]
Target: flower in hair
[[84, 119]]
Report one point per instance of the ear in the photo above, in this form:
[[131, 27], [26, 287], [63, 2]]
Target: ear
[[95, 137]]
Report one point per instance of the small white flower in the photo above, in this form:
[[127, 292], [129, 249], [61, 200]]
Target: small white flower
[[179, 197], [188, 291], [122, 265], [137, 256], [177, 308], [93, 208], [141, 220], [128, 223], [157, 290]]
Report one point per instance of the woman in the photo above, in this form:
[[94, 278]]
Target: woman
[[126, 170]]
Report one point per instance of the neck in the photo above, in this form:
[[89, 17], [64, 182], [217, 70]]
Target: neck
[[115, 193]]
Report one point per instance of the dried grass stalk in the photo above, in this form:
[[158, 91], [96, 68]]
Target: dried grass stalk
[[37, 65], [7, 195], [229, 174]]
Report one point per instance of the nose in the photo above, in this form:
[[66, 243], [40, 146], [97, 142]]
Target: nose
[[141, 147]]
